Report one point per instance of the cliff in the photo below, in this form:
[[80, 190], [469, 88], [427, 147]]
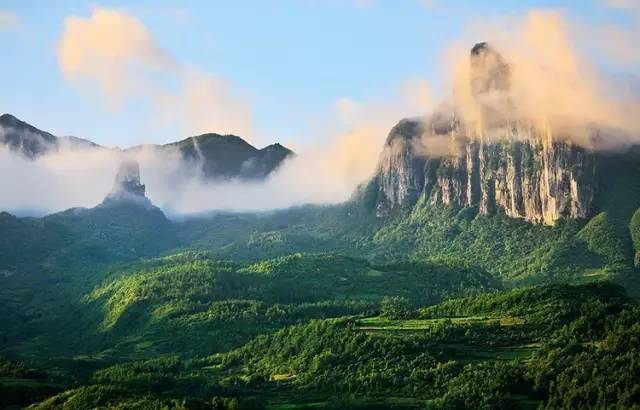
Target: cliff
[[526, 176], [127, 185], [496, 162]]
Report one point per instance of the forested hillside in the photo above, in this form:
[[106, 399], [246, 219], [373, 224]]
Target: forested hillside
[[318, 307]]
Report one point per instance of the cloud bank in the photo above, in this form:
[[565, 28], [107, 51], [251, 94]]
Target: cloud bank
[[78, 175]]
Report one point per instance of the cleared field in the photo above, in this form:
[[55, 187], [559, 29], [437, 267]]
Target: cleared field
[[398, 403], [461, 351], [382, 323]]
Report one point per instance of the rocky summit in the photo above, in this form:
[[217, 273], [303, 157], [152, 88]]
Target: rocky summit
[[533, 178], [505, 165], [127, 185]]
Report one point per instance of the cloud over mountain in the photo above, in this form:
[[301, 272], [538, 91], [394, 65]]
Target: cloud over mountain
[[113, 55]]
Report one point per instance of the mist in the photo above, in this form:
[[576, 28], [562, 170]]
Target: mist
[[554, 84], [81, 176], [555, 91]]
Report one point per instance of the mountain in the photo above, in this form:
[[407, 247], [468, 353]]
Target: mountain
[[510, 166], [215, 156], [25, 138], [229, 156], [531, 178], [125, 226]]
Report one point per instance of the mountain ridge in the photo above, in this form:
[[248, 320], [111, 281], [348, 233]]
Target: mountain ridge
[[220, 156]]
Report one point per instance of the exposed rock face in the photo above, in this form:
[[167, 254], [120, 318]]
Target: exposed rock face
[[530, 178], [509, 166], [401, 176], [127, 186]]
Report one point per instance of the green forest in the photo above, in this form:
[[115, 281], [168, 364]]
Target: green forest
[[431, 308]]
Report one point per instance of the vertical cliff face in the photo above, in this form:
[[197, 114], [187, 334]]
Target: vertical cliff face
[[495, 162], [529, 178], [401, 177]]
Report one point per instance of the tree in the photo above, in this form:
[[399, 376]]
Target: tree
[[395, 307]]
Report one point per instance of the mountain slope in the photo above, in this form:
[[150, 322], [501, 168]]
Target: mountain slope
[[229, 156], [125, 226], [215, 156], [24, 138]]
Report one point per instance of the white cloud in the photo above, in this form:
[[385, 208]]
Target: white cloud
[[113, 51]]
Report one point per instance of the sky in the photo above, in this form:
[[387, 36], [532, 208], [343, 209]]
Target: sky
[[123, 73]]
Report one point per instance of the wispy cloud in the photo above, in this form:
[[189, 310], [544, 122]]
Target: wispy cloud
[[114, 53], [364, 3], [554, 83], [369, 3]]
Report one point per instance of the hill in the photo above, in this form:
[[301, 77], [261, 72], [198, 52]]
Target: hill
[[215, 156]]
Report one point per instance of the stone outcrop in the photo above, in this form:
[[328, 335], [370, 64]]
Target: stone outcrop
[[127, 185], [508, 166], [532, 178]]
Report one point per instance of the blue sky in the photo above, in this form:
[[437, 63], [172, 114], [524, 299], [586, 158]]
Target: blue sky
[[291, 60]]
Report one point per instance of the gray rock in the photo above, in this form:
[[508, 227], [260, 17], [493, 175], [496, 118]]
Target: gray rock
[[127, 185]]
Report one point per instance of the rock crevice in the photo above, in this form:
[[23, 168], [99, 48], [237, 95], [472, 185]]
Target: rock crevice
[[529, 177]]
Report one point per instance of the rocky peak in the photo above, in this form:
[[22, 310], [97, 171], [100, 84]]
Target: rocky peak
[[489, 71], [400, 169], [490, 78], [523, 177], [511, 168], [127, 186]]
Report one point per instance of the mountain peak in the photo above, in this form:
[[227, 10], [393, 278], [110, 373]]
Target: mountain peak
[[127, 185], [490, 81], [7, 118], [405, 130], [22, 137], [489, 71]]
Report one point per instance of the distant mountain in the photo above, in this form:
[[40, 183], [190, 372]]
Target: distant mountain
[[25, 138], [228, 156], [216, 156]]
